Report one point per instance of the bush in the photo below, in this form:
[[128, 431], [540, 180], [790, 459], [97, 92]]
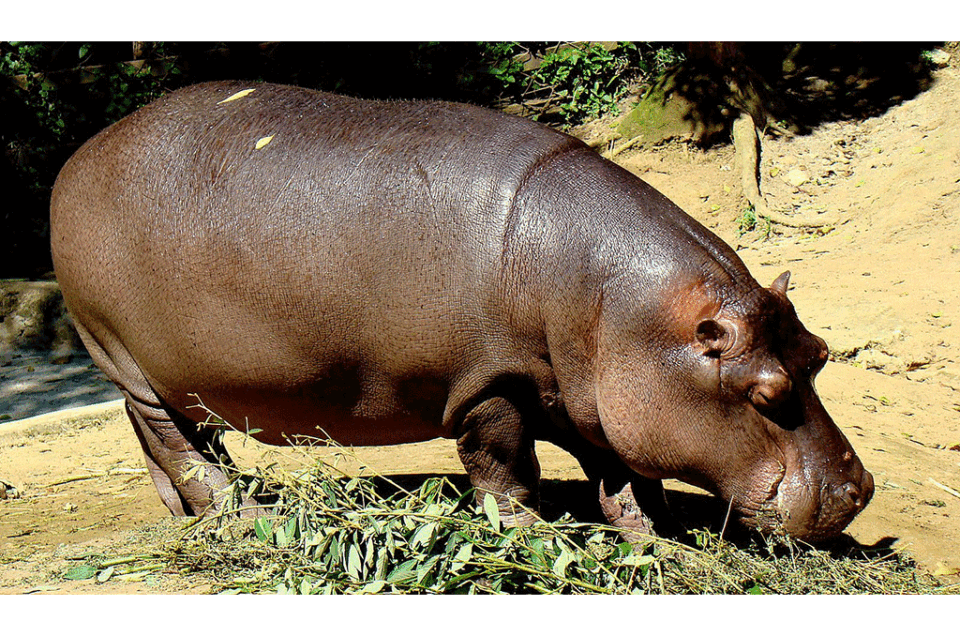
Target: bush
[[575, 82]]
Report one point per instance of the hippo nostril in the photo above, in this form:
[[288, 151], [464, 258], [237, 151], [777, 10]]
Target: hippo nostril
[[849, 492]]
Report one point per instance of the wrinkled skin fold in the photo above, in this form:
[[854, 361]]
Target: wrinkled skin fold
[[393, 272]]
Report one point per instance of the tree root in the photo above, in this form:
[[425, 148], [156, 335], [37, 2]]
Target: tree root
[[746, 143], [616, 150]]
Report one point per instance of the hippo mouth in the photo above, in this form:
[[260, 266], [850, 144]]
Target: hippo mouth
[[762, 509], [806, 512]]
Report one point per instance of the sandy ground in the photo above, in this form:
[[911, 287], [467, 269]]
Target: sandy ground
[[880, 287]]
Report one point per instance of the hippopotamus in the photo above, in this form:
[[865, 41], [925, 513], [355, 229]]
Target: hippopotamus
[[384, 272]]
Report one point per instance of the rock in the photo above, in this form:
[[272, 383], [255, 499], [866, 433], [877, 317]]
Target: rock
[[938, 57], [8, 491], [33, 316], [880, 361], [659, 117], [796, 177]]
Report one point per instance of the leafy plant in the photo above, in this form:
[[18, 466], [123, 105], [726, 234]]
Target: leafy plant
[[331, 533], [585, 78], [504, 64], [749, 221], [573, 82]]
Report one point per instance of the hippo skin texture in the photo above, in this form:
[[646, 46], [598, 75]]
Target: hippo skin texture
[[308, 264]]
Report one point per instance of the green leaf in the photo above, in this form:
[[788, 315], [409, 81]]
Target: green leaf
[[263, 529], [381, 570], [463, 555], [424, 536], [563, 561], [354, 565], [424, 570], [403, 572], [291, 529], [80, 573], [335, 549], [281, 538], [454, 583], [373, 587], [492, 511], [639, 559]]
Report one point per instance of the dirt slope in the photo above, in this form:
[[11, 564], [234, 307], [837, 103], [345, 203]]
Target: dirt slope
[[881, 287]]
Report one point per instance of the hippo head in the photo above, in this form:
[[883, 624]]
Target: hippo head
[[719, 393]]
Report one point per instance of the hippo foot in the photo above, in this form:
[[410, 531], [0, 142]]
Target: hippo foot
[[623, 511]]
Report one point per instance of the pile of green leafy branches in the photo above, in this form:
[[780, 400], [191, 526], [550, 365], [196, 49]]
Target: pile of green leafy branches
[[333, 534]]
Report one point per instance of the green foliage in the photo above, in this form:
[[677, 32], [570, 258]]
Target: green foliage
[[575, 82], [749, 221], [48, 89], [587, 77], [505, 67], [345, 536], [335, 534]]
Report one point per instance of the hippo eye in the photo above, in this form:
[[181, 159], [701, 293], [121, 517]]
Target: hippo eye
[[771, 389]]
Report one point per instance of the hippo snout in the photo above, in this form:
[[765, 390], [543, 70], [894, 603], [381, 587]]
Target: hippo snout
[[812, 518], [855, 496], [841, 503]]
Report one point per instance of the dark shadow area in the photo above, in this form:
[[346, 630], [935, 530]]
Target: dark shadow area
[[795, 86]]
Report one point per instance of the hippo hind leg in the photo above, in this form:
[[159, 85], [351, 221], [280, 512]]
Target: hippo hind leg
[[186, 461]]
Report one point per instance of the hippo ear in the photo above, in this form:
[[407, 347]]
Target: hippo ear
[[780, 285], [716, 336]]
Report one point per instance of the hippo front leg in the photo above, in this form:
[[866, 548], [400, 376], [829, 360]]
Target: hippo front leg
[[498, 454], [623, 511], [629, 501]]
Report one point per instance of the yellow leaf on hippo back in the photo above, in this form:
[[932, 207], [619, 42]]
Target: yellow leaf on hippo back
[[237, 95], [263, 141]]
